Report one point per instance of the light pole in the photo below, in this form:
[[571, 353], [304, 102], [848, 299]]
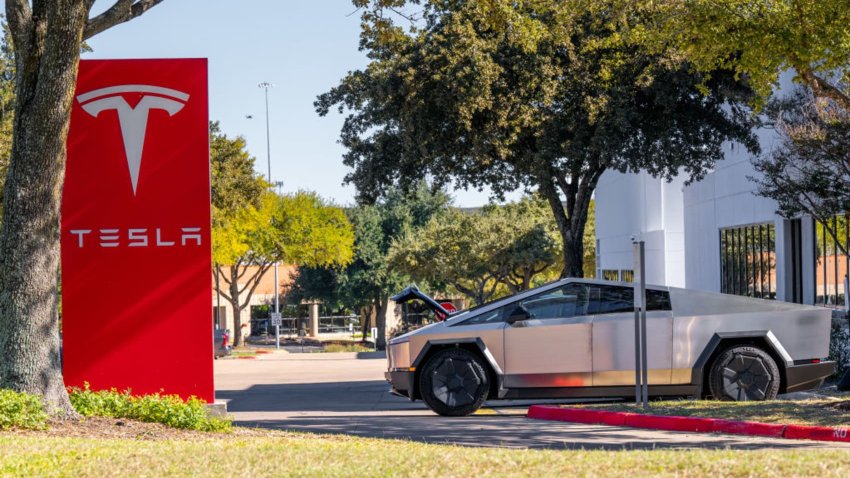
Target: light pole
[[265, 86]]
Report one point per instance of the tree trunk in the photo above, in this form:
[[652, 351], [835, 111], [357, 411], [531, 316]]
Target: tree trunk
[[366, 313], [237, 310], [47, 52], [381, 321], [573, 254], [571, 218]]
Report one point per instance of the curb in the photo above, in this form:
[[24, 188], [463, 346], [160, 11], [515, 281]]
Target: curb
[[688, 424]]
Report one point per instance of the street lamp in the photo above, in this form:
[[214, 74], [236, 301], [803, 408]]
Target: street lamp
[[265, 86]]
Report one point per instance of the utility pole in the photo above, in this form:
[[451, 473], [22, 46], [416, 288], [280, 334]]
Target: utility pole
[[276, 316]]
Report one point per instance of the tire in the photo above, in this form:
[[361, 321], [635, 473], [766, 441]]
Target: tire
[[454, 382], [743, 373]]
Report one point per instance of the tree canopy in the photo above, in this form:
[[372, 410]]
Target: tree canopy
[[462, 95], [482, 253], [758, 40]]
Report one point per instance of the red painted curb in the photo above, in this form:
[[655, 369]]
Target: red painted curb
[[734, 427], [676, 424], [577, 415], [688, 424], [804, 432]]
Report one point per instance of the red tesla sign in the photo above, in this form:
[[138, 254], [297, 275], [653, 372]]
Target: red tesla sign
[[136, 289]]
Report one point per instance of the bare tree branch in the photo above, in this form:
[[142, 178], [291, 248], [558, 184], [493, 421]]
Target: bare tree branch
[[121, 11], [254, 278], [819, 86]]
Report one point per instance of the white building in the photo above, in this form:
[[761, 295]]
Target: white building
[[716, 235]]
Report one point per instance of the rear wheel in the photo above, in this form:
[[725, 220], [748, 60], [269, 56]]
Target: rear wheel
[[454, 382], [743, 373]]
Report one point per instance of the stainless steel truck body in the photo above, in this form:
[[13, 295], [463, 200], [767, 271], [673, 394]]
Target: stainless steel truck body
[[574, 338]]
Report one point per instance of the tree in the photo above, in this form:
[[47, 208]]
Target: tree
[[550, 105], [370, 279], [457, 249], [234, 183], [47, 38], [298, 229], [484, 253], [759, 39], [808, 172], [530, 241], [235, 199]]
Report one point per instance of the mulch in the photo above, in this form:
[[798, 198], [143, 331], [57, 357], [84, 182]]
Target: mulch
[[115, 428]]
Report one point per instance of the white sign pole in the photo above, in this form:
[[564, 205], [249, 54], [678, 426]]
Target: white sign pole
[[276, 319], [641, 368]]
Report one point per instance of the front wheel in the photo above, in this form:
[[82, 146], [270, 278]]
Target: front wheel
[[454, 382], [743, 373]]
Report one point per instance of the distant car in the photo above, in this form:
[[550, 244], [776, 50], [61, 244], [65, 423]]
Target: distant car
[[574, 338], [221, 343]]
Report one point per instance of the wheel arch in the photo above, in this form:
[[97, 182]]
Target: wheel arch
[[720, 341], [472, 344]]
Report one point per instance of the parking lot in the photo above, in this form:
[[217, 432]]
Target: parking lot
[[346, 393]]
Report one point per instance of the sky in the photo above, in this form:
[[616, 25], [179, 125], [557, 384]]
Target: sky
[[302, 47]]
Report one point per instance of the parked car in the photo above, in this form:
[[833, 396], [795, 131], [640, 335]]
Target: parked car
[[221, 343], [574, 338]]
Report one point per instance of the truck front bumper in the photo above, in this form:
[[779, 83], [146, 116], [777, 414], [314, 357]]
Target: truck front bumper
[[401, 382]]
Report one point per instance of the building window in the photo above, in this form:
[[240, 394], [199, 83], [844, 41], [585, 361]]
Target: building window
[[611, 274], [831, 260], [627, 275], [748, 261]]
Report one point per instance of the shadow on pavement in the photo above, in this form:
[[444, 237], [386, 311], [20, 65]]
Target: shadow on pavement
[[507, 431], [365, 408], [362, 396]]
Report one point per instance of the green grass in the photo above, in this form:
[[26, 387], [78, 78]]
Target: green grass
[[21, 410], [802, 412], [168, 410], [243, 353], [307, 455], [334, 348]]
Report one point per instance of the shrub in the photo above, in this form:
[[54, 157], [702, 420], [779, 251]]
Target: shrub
[[169, 410], [21, 410], [839, 347], [333, 348]]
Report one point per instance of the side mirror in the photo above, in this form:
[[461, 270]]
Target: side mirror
[[519, 314]]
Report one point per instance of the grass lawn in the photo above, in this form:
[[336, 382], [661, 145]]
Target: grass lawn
[[826, 412], [254, 453]]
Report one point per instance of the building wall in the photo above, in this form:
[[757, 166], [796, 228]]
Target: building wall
[[638, 206]]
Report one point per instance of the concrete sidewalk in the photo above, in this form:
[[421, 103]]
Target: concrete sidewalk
[[346, 393]]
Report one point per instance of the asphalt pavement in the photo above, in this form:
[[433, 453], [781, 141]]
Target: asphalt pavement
[[346, 393]]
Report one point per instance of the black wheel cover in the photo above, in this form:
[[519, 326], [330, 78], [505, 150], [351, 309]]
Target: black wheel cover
[[455, 382], [746, 377]]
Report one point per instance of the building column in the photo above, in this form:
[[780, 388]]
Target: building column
[[314, 320]]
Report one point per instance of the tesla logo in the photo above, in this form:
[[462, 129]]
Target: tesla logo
[[133, 119]]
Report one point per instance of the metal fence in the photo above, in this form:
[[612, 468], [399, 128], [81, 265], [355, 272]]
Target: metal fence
[[290, 326]]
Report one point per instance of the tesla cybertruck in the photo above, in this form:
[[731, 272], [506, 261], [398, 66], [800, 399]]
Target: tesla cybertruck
[[574, 338]]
